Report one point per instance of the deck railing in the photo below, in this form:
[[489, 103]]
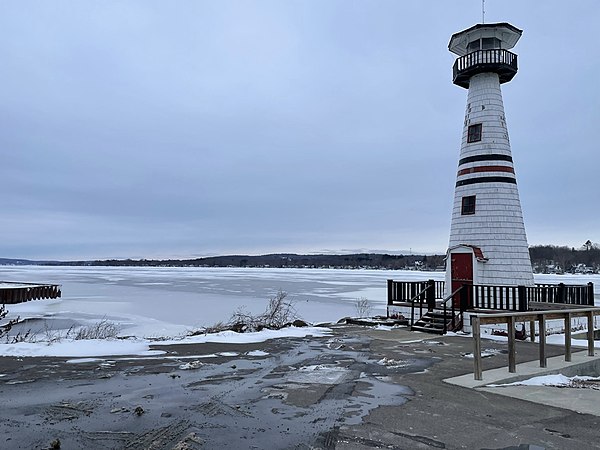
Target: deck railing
[[407, 291], [541, 317], [502, 298], [562, 293]]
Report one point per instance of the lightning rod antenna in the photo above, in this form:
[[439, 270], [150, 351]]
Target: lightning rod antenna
[[482, 11]]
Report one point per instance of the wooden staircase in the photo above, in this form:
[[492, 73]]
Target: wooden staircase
[[433, 322]]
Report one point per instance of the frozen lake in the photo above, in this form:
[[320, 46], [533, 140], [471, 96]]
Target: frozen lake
[[155, 302]]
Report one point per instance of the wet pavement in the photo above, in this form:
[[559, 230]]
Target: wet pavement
[[356, 389]]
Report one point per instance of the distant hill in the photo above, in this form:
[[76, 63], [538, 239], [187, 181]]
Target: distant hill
[[353, 261], [20, 262], [544, 258]]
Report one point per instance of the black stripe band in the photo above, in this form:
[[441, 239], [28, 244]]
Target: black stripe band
[[478, 158], [486, 180]]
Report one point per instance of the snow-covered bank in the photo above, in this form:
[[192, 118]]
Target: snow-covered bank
[[141, 347]]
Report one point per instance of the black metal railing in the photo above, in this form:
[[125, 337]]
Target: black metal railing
[[500, 61], [493, 56]]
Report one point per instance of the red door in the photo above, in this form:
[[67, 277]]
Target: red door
[[461, 266]]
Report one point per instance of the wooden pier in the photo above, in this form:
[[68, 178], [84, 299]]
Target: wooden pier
[[16, 292]]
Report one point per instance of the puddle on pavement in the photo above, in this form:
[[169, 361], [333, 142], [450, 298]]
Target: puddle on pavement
[[290, 397]]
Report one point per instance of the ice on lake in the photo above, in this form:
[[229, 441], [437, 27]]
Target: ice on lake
[[163, 301]]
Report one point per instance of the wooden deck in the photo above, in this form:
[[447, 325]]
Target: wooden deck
[[14, 292]]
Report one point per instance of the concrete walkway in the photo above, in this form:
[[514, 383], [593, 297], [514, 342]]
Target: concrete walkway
[[584, 401]]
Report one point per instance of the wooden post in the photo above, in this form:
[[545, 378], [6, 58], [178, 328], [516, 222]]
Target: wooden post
[[568, 337], [590, 318], [430, 294], [512, 360], [532, 330], [464, 297], [390, 287], [523, 304], [562, 293], [542, 330], [477, 371], [590, 294]]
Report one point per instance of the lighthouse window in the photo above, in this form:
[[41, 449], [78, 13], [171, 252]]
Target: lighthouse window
[[474, 133], [483, 44], [468, 205], [488, 43], [474, 46]]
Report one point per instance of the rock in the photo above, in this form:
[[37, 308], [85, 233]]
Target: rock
[[239, 327]]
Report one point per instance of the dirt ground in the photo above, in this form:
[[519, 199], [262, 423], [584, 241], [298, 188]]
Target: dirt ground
[[356, 389]]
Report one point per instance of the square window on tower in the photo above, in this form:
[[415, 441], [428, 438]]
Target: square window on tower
[[474, 133], [468, 205]]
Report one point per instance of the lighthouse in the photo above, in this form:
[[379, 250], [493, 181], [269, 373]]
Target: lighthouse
[[488, 244]]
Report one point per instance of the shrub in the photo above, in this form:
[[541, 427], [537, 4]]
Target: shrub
[[5, 327], [103, 329], [363, 307], [280, 312]]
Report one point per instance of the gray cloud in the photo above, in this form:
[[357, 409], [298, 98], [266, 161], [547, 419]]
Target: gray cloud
[[147, 129]]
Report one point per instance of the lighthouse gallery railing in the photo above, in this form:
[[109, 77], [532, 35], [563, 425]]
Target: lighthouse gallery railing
[[496, 57]]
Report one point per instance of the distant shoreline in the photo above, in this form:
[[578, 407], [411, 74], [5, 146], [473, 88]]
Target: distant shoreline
[[544, 258], [278, 260]]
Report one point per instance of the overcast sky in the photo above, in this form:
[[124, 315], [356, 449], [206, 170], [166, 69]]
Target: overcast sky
[[189, 128]]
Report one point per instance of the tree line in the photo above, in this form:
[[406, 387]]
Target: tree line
[[543, 259]]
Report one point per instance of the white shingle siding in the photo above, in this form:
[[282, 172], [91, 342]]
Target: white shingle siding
[[497, 226]]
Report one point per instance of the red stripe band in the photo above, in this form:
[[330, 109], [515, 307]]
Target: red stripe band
[[486, 169]]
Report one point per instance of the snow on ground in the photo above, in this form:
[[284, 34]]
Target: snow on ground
[[141, 347], [231, 337], [557, 380], [79, 348], [484, 354]]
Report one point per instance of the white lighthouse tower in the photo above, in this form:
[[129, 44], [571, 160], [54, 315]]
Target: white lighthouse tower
[[488, 244]]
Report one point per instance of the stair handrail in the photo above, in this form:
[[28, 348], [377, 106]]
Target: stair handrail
[[412, 306], [445, 302]]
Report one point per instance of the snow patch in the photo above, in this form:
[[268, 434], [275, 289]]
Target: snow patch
[[257, 353], [231, 337], [191, 365], [319, 374], [393, 363], [79, 348], [484, 354], [557, 380]]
